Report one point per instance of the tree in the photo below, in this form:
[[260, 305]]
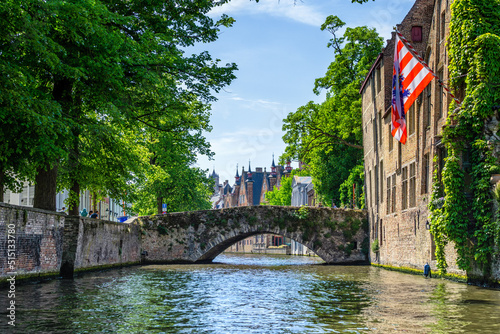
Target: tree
[[328, 136], [282, 196], [107, 67], [32, 122]]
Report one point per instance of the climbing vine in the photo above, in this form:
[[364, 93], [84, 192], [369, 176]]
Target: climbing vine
[[474, 45]]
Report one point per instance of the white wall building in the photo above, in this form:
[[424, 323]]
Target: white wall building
[[109, 209], [299, 190]]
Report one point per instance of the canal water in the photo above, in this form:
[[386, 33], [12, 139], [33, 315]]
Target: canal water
[[252, 294]]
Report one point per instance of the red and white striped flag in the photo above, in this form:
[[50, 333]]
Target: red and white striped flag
[[410, 77]]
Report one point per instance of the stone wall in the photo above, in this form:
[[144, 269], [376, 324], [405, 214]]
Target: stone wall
[[336, 235], [38, 240], [396, 223], [53, 244], [104, 243], [48, 243]]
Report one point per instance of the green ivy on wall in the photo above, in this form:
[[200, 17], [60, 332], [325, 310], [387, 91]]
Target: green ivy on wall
[[474, 46]]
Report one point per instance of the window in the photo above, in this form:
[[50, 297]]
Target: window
[[391, 139], [388, 210], [380, 241], [380, 133], [443, 25], [425, 181], [416, 34], [6, 196], [393, 204], [374, 131], [404, 188], [27, 195], [440, 99], [428, 106], [378, 79], [369, 189], [413, 179], [381, 182], [410, 120], [400, 154]]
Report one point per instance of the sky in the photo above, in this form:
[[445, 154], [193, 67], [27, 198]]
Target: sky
[[280, 50]]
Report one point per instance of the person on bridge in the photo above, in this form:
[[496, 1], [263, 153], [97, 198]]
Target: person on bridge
[[95, 215]]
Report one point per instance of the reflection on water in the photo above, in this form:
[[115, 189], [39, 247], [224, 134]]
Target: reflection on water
[[253, 294]]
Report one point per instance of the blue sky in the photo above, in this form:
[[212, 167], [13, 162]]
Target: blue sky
[[280, 50]]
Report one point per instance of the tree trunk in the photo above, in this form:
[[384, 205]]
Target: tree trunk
[[94, 201], [63, 93], [45, 188], [74, 163], [1, 186], [159, 202], [73, 208]]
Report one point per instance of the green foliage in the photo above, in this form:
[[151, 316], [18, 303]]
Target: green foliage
[[282, 196], [302, 213], [162, 230], [105, 92], [328, 136], [365, 245], [375, 246], [356, 178], [474, 45]]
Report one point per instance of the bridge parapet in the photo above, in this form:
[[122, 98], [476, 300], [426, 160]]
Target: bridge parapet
[[338, 236]]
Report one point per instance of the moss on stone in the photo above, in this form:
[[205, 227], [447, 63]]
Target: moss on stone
[[414, 271]]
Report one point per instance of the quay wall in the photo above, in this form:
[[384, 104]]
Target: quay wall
[[38, 243]]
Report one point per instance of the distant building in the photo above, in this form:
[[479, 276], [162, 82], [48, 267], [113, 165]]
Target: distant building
[[300, 185], [250, 187], [108, 208]]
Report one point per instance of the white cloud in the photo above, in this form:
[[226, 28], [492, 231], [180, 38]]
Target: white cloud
[[295, 10]]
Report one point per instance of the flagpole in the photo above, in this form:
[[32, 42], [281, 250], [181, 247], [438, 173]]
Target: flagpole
[[422, 61]]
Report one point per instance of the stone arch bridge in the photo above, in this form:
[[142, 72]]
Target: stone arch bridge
[[338, 236], [51, 244]]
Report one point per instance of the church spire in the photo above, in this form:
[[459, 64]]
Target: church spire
[[237, 177], [249, 171], [273, 168]]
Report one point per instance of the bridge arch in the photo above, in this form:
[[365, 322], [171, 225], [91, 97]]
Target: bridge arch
[[338, 236], [220, 247]]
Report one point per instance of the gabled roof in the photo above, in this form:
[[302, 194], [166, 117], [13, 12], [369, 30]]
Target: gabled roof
[[258, 180], [302, 180]]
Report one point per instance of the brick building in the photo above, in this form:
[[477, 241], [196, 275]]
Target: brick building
[[250, 187], [398, 177]]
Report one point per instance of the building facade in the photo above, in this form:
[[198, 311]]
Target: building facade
[[250, 189], [300, 185], [109, 209], [398, 177]]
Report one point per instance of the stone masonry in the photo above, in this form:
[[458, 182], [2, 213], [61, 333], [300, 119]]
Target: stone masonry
[[38, 240], [399, 177], [53, 244], [336, 235]]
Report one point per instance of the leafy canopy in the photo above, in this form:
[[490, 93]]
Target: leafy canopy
[[328, 135]]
